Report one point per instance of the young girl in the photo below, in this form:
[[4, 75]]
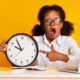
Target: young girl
[[53, 38]]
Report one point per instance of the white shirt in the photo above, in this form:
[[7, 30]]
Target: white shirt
[[62, 44]]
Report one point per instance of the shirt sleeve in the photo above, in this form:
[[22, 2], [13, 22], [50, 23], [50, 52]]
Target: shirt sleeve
[[75, 53]]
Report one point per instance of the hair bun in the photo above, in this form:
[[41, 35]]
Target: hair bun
[[67, 28], [37, 30]]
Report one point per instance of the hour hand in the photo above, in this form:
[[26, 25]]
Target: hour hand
[[17, 47]]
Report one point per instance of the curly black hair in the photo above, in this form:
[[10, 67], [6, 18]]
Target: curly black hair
[[67, 26]]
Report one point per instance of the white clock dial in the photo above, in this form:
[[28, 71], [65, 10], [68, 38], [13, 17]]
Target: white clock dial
[[22, 50]]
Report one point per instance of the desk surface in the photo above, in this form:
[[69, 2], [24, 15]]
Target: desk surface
[[42, 75]]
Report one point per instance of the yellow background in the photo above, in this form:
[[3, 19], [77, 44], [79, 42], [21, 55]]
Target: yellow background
[[19, 16]]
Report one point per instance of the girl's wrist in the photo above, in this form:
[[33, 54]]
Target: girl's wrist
[[63, 57]]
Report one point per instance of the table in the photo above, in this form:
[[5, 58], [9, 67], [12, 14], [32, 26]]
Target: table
[[39, 75]]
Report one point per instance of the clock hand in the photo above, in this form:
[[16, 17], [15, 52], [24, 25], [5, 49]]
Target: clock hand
[[17, 47], [18, 44], [16, 55]]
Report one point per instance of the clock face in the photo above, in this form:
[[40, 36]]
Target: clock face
[[22, 50]]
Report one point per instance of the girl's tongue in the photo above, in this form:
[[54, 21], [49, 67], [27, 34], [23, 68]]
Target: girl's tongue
[[53, 31]]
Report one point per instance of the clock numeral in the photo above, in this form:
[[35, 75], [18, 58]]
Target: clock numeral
[[10, 55], [32, 44], [21, 61], [27, 60], [34, 50], [9, 49], [32, 56], [21, 37], [12, 43], [28, 39], [15, 60]]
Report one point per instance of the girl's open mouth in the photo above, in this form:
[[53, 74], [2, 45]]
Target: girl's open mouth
[[53, 31]]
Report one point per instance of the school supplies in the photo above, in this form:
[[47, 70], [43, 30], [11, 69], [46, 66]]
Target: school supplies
[[9, 70], [36, 68]]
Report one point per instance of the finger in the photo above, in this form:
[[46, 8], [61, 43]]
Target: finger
[[52, 48], [2, 49], [4, 40], [44, 51], [2, 45]]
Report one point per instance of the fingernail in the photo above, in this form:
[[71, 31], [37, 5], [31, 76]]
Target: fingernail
[[5, 49], [3, 39]]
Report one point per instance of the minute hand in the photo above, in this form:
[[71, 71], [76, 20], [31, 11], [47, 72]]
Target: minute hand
[[18, 44]]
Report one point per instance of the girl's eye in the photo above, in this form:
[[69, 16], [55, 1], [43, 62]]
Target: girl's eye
[[57, 19], [48, 20]]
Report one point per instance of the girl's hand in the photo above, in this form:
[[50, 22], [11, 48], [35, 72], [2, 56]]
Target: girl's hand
[[54, 55], [3, 46]]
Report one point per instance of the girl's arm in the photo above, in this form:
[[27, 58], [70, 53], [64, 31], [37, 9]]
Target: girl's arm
[[75, 53]]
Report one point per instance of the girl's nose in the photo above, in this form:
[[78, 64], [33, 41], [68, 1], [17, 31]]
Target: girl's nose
[[52, 23]]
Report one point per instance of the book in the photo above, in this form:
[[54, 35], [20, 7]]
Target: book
[[36, 68]]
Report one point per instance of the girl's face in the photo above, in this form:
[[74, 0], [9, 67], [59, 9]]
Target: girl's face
[[52, 28]]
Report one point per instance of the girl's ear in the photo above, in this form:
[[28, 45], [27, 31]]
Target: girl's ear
[[42, 26], [61, 24]]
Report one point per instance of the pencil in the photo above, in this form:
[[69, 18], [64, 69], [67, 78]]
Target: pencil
[[51, 68]]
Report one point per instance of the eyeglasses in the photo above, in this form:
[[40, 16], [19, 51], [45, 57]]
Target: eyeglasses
[[49, 21]]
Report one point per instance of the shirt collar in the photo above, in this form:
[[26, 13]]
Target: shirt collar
[[58, 40]]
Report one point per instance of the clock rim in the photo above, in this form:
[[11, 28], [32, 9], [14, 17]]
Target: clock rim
[[36, 52]]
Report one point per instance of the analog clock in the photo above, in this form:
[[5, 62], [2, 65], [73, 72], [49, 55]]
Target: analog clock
[[22, 50]]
